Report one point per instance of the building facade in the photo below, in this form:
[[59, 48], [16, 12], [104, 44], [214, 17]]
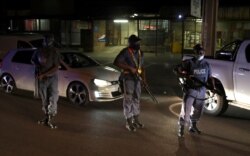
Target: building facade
[[168, 33]]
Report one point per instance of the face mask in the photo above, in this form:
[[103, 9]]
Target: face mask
[[200, 57], [135, 46]]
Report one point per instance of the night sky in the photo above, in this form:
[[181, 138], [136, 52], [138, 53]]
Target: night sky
[[25, 4], [105, 8]]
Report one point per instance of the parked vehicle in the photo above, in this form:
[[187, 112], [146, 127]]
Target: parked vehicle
[[19, 40], [231, 70], [81, 78]]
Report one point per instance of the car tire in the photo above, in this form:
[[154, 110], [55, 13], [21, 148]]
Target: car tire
[[77, 93], [215, 105], [7, 83]]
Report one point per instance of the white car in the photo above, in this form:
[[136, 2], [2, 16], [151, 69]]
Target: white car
[[81, 79]]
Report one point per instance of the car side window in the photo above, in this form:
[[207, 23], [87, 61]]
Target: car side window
[[247, 52], [76, 61], [23, 44], [23, 57], [229, 51]]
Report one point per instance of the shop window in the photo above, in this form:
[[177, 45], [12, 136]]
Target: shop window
[[191, 38], [154, 25], [37, 25], [71, 31]]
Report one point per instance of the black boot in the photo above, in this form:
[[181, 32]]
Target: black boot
[[129, 125], [193, 128], [43, 121], [49, 123], [181, 131], [136, 122]]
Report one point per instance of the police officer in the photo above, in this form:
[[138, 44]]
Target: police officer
[[130, 61], [194, 95], [47, 60]]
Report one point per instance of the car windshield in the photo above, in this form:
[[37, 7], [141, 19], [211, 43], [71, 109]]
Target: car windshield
[[37, 43], [78, 60]]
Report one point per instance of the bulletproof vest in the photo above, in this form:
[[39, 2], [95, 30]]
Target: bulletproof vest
[[200, 70]]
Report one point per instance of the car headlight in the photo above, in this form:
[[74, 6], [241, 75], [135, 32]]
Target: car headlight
[[101, 83]]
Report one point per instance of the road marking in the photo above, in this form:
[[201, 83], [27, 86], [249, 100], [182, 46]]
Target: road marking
[[171, 108]]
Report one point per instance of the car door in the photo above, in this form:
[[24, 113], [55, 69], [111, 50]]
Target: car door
[[242, 74], [63, 79], [23, 70]]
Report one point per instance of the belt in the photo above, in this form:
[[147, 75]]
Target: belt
[[49, 77], [126, 72]]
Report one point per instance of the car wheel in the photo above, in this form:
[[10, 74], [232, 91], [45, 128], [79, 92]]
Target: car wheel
[[77, 93], [215, 104], [7, 83]]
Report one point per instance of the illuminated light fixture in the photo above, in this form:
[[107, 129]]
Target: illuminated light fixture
[[199, 20], [102, 83], [180, 16], [134, 15], [97, 95], [120, 21]]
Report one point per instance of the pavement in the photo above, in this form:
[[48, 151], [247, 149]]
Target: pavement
[[99, 128]]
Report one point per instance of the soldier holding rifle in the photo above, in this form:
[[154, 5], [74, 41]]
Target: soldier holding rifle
[[130, 61], [194, 91]]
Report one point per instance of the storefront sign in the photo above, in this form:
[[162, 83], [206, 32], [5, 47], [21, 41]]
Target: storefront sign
[[196, 8]]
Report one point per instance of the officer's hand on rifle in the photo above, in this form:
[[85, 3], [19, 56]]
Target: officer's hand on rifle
[[41, 76], [133, 70], [182, 72]]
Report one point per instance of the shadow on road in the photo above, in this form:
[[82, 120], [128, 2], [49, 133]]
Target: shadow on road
[[182, 148], [237, 113]]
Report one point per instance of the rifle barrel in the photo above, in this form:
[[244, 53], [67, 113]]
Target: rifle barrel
[[145, 86]]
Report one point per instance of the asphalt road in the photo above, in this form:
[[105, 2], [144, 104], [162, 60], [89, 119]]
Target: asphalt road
[[98, 129]]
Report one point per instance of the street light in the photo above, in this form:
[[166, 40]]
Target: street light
[[180, 16], [120, 21]]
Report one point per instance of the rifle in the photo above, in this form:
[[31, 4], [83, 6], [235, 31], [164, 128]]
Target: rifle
[[175, 70], [146, 87], [216, 91]]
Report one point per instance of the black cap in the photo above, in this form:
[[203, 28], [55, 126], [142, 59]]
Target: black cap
[[133, 39], [197, 48]]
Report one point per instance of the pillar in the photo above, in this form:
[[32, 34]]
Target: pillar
[[209, 18]]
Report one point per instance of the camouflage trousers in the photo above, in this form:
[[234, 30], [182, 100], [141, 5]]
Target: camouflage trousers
[[131, 101], [48, 90]]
